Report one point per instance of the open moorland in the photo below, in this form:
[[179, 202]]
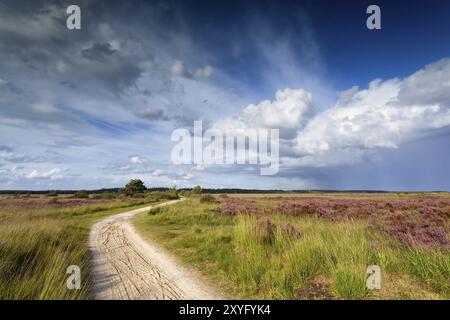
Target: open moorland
[[41, 235], [311, 246]]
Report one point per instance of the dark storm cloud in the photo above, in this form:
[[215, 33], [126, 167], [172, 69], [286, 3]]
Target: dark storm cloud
[[99, 52], [34, 38], [152, 114], [5, 149], [17, 103]]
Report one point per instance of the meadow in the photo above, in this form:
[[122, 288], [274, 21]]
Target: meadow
[[40, 236], [311, 246]]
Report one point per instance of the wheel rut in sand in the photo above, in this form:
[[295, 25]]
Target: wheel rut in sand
[[127, 267]]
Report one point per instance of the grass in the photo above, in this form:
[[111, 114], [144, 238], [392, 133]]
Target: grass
[[275, 256], [40, 238]]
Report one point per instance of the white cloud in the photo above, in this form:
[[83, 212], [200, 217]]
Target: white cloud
[[53, 174], [430, 85], [204, 72], [157, 173], [8, 154], [187, 177], [199, 167], [177, 69], [136, 159], [287, 111], [44, 108], [385, 115]]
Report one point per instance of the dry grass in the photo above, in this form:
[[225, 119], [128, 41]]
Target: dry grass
[[40, 237]]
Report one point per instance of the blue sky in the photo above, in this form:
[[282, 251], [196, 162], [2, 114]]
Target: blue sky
[[356, 108]]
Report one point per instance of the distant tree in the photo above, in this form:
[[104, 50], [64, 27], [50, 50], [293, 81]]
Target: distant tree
[[134, 186], [196, 190], [82, 194], [207, 198]]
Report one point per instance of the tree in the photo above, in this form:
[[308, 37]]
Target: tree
[[196, 190], [134, 186], [81, 194]]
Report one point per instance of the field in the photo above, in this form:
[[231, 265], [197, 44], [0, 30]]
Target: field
[[311, 246], [40, 236]]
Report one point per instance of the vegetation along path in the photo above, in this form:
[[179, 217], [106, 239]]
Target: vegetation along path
[[127, 267]]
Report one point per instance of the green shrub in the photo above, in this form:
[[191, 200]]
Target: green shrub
[[196, 190], [133, 187], [82, 194], [185, 193], [53, 200], [155, 211], [170, 194], [207, 198], [103, 196]]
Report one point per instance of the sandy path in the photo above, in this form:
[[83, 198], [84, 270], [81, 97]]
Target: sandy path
[[127, 267]]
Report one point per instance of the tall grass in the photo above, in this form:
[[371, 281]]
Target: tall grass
[[433, 268], [37, 246]]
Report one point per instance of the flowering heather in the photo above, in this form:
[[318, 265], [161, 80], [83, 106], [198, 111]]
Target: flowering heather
[[420, 220], [238, 206], [410, 228], [43, 203]]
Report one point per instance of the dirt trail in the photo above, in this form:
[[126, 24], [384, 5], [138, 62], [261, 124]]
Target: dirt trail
[[127, 267]]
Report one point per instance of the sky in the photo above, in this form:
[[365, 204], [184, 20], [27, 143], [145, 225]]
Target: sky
[[96, 107]]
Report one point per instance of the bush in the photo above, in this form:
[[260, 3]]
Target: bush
[[52, 194], [135, 186], [185, 193], [82, 194], [139, 195], [53, 201], [170, 194], [105, 195], [155, 211], [207, 198], [196, 190], [265, 231]]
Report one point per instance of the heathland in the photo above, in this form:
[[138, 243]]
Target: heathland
[[41, 235], [261, 246], [311, 246]]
